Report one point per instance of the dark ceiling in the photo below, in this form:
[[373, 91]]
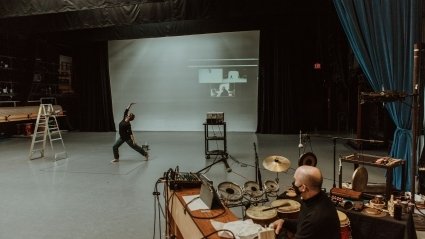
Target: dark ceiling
[[123, 19]]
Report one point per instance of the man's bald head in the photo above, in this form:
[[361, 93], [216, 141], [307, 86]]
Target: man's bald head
[[310, 176]]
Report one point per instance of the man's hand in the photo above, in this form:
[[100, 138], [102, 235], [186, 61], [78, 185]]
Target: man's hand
[[128, 107], [277, 225]]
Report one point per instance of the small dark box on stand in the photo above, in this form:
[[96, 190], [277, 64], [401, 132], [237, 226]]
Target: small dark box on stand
[[215, 117]]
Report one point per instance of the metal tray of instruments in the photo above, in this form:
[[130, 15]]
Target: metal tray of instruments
[[372, 160]]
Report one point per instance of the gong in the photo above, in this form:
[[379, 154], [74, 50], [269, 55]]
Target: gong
[[308, 159]]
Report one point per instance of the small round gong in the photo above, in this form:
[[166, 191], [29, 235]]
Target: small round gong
[[359, 181], [308, 159]]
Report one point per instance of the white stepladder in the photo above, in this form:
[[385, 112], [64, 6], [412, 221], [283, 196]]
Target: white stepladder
[[47, 126]]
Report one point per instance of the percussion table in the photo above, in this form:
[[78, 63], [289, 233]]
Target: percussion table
[[370, 160], [369, 227]]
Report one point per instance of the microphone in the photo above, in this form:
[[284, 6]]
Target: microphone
[[300, 145]]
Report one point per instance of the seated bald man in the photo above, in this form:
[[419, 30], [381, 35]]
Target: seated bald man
[[318, 217]]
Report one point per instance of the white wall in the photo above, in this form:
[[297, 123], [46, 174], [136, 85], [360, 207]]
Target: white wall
[[161, 76]]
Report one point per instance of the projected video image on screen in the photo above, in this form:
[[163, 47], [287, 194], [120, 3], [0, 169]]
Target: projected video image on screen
[[223, 83], [222, 90]]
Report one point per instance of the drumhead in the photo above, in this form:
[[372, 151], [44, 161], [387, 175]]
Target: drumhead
[[257, 213], [271, 186], [288, 205], [308, 159], [291, 193], [252, 189], [230, 191], [343, 219]]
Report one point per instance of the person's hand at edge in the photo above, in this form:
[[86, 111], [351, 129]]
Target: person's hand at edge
[[277, 226]]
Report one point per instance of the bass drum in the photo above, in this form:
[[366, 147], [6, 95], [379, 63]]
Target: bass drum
[[308, 159]]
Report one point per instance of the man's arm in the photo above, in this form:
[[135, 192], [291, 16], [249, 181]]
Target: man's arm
[[127, 109], [129, 106]]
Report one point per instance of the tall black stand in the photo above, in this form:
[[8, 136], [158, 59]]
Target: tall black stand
[[415, 117], [334, 142], [257, 169]]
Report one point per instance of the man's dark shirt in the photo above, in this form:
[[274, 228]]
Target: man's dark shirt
[[125, 128], [318, 219]]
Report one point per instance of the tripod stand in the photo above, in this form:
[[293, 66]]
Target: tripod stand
[[223, 159]]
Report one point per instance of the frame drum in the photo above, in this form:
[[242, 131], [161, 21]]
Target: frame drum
[[271, 186], [230, 192], [259, 216], [345, 225], [252, 189], [289, 209]]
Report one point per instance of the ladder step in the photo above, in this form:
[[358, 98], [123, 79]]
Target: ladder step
[[46, 124]]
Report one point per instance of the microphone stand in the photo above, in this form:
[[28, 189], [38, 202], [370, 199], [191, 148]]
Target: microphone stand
[[300, 145], [257, 169]]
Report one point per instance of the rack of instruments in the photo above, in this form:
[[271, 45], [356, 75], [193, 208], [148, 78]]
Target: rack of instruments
[[382, 96], [262, 206], [260, 201], [233, 195]]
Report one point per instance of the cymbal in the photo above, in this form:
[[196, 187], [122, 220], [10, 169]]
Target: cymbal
[[276, 163]]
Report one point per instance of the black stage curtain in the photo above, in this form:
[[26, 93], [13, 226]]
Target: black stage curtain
[[93, 86], [290, 93], [108, 17], [275, 96]]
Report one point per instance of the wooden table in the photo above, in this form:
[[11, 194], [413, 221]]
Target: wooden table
[[193, 224]]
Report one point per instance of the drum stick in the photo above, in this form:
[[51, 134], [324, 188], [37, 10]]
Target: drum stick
[[282, 205]]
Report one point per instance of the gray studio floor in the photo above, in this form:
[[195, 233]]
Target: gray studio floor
[[85, 196]]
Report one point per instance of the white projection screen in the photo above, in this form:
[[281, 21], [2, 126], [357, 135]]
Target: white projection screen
[[175, 81]]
